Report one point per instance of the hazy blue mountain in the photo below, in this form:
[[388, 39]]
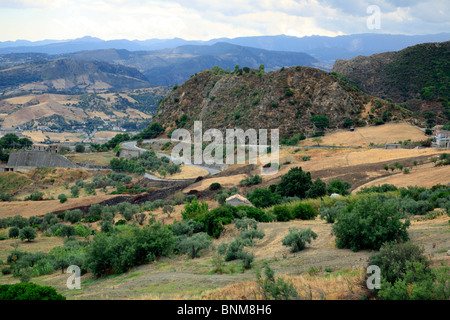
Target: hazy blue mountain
[[325, 49], [174, 66]]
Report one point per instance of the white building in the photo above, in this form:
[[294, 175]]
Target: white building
[[442, 139]]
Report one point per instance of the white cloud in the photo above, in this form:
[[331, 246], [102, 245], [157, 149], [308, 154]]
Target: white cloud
[[206, 19]]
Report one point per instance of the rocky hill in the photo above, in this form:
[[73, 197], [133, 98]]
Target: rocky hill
[[70, 76], [286, 99], [418, 76]]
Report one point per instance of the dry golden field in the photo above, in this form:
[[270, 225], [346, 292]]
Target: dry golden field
[[379, 135]]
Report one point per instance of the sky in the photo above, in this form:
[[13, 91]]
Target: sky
[[208, 19]]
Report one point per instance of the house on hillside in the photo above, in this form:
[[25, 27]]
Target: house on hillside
[[238, 200], [55, 148], [441, 139]]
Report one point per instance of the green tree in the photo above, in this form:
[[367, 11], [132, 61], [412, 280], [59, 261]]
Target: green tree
[[28, 291], [320, 122], [318, 189], [339, 187], [371, 222], [295, 183], [13, 232], [27, 233], [193, 245], [80, 148], [297, 239], [263, 198]]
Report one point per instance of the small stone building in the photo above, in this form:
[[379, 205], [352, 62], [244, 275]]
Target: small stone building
[[238, 200], [55, 148]]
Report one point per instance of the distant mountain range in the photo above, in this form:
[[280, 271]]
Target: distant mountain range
[[161, 67], [324, 49]]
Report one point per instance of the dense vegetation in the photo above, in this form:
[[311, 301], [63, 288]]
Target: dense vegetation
[[146, 161]]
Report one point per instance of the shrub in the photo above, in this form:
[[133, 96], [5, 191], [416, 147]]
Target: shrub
[[80, 148], [371, 222], [13, 232], [263, 198], [91, 218], [282, 213], [19, 222], [193, 245], [320, 122], [304, 211], [187, 227], [330, 214], [73, 216], [297, 239], [406, 274], [118, 252], [214, 186], [62, 198], [215, 219], [28, 291], [251, 181], [339, 187], [318, 189], [393, 257], [275, 289], [194, 210], [35, 196]]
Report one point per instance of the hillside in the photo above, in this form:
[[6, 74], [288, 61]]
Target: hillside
[[62, 112], [70, 76], [284, 99], [418, 76]]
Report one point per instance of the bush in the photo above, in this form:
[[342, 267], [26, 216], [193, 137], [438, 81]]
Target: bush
[[215, 219], [193, 245], [318, 189], [19, 222], [371, 222], [304, 211], [117, 252], [406, 274], [330, 214], [28, 291], [187, 227], [62, 198], [263, 198], [73, 216], [13, 232], [215, 186], [35, 196], [251, 181], [282, 213], [194, 210], [80, 148], [393, 257], [275, 289], [91, 218], [339, 187], [297, 239]]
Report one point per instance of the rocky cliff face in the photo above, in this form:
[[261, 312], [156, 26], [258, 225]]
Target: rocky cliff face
[[284, 99], [418, 76]]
